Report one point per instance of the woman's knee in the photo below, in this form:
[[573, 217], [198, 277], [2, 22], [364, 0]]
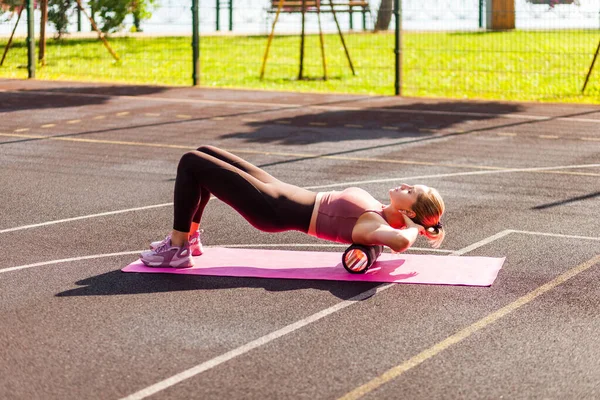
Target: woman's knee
[[207, 149], [187, 160]]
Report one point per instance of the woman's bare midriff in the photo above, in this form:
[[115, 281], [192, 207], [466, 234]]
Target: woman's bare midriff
[[312, 228]]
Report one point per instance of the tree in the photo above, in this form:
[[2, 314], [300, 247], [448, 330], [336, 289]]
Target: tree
[[10, 6], [384, 15], [58, 14], [112, 13]]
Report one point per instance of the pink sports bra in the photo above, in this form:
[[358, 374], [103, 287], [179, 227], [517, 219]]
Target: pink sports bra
[[339, 211]]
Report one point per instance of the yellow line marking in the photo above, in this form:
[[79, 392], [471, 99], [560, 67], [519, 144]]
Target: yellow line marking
[[74, 121], [48, 125], [506, 134], [548, 136], [99, 117], [183, 116], [391, 128], [318, 123], [152, 114], [250, 120], [22, 130], [122, 114], [299, 155], [283, 122], [466, 332], [592, 139], [218, 118], [353, 126]]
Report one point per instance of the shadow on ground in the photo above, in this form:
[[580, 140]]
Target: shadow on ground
[[120, 283], [59, 97], [402, 121]]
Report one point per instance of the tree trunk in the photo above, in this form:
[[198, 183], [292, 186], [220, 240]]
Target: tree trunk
[[43, 22], [384, 15]]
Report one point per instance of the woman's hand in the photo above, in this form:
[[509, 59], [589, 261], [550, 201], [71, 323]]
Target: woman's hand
[[410, 224]]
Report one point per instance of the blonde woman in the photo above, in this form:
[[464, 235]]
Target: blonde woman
[[270, 205]]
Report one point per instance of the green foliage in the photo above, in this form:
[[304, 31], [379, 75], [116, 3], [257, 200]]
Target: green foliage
[[110, 14], [58, 14], [10, 6]]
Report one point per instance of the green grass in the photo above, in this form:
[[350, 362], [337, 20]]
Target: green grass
[[518, 65]]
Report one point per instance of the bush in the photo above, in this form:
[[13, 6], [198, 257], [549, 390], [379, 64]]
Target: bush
[[59, 12]]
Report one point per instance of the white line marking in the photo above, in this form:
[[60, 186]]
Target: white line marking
[[280, 107], [48, 126], [64, 260], [74, 121], [205, 366], [22, 130], [316, 187], [501, 171], [18, 228], [323, 245], [556, 235], [482, 242]]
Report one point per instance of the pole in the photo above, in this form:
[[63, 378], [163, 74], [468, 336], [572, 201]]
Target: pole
[[300, 73], [100, 34], [195, 44], [78, 19], [218, 19], [230, 15], [262, 70], [350, 16], [11, 37], [30, 41], [341, 36], [480, 14], [43, 22], [398, 46], [587, 78]]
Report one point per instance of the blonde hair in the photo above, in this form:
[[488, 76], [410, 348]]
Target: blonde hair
[[429, 208]]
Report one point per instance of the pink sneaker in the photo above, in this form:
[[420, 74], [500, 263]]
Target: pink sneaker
[[167, 255], [195, 243]]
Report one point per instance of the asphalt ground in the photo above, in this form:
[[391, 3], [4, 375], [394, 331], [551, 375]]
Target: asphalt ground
[[87, 173]]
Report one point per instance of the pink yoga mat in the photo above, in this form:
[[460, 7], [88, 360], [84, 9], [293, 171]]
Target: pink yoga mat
[[399, 268]]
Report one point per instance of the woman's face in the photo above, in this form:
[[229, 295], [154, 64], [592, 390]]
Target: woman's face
[[404, 196]]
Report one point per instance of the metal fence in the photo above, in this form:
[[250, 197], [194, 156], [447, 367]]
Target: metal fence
[[501, 49]]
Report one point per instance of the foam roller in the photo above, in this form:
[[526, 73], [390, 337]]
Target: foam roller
[[358, 258]]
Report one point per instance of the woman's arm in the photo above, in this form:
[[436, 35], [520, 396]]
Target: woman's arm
[[373, 233], [396, 239]]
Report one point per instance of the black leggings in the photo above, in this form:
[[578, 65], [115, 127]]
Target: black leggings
[[264, 201]]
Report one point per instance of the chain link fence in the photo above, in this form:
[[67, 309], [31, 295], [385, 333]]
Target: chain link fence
[[501, 49]]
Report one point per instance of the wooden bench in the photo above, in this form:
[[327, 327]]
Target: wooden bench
[[303, 7]]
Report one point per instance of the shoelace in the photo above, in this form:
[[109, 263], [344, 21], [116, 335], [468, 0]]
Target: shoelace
[[164, 245]]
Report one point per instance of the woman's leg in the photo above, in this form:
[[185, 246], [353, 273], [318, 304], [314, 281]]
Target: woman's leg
[[273, 206], [234, 161]]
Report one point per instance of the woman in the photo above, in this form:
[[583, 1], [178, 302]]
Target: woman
[[349, 216]]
